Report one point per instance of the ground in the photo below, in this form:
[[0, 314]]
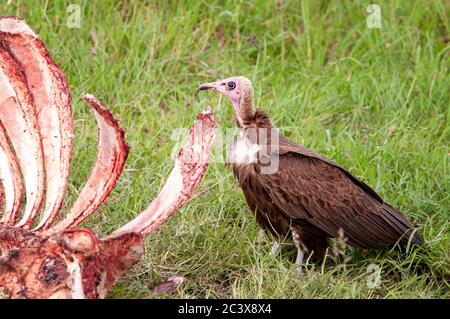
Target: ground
[[374, 100]]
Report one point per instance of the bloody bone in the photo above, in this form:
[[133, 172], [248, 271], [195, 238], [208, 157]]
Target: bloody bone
[[19, 119], [58, 261], [70, 264], [190, 165], [111, 156], [10, 176], [51, 95]]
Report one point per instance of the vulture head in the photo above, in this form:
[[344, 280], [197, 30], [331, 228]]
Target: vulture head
[[239, 90]]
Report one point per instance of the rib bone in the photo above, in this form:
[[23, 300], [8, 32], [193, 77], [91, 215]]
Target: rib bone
[[10, 176], [48, 86], [62, 262], [18, 117], [111, 156], [190, 165], [74, 263]]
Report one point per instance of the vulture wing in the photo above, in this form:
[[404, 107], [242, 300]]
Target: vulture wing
[[308, 186]]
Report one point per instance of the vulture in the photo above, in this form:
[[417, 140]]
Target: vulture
[[300, 194], [44, 254]]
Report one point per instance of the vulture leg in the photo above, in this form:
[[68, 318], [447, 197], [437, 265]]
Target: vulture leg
[[300, 251], [299, 261], [275, 248]]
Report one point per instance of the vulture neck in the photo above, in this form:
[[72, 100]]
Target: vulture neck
[[244, 107], [259, 119], [254, 141]]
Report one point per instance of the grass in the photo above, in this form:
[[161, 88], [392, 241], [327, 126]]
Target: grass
[[374, 100]]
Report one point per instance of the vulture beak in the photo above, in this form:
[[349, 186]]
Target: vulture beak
[[205, 86], [221, 87]]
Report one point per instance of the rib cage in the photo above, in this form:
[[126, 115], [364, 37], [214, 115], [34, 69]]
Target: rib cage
[[49, 89], [37, 94], [35, 157]]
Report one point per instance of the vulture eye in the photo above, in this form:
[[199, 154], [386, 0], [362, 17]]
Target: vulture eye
[[231, 85]]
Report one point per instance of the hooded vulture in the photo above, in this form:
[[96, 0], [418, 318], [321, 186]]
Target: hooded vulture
[[300, 194]]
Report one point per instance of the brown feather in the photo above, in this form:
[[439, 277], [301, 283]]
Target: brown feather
[[316, 197]]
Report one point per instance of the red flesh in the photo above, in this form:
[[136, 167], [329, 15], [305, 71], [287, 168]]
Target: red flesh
[[48, 86], [18, 117], [190, 165], [57, 262], [41, 267], [111, 156], [10, 176]]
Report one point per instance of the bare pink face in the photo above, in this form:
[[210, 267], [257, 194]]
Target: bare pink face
[[230, 87]]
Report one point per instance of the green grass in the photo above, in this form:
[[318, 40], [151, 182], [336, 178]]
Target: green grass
[[374, 100]]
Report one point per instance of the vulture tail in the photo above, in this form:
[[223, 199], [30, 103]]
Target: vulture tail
[[407, 231]]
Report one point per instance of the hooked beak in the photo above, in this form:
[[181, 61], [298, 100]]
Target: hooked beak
[[221, 87], [206, 86]]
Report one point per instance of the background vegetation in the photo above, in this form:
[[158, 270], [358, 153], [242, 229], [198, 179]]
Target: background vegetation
[[374, 100]]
